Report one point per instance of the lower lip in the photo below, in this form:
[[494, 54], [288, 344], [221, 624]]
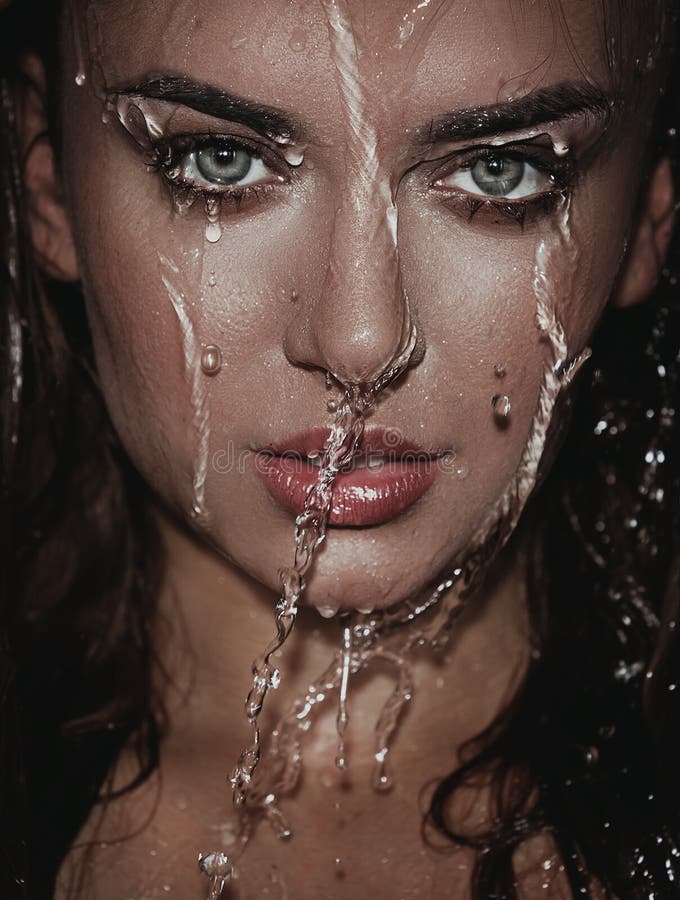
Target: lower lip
[[366, 495]]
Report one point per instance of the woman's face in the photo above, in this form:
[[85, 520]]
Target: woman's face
[[303, 154]]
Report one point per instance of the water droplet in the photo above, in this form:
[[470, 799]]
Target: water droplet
[[501, 406], [499, 370], [294, 296], [298, 40], [213, 228], [406, 30], [591, 755], [81, 78], [238, 42], [215, 864], [211, 359], [462, 471], [294, 156], [327, 612]]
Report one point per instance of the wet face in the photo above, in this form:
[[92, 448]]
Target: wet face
[[236, 221]]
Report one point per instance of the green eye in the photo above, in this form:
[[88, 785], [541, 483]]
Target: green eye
[[498, 176], [223, 165]]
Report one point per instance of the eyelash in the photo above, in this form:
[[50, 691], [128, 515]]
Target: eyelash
[[560, 171], [169, 154]]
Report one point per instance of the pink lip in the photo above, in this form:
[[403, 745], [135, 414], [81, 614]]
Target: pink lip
[[365, 495]]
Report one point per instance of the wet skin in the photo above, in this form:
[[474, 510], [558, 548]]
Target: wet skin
[[264, 295], [469, 282]]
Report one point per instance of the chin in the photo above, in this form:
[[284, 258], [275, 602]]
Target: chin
[[362, 587]]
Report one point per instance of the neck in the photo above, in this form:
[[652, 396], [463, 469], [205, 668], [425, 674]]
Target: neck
[[215, 620]]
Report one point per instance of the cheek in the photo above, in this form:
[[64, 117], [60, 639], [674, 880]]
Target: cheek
[[472, 284], [149, 274]]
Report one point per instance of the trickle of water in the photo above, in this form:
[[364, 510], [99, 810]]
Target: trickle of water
[[407, 26], [238, 42], [343, 715], [199, 399], [218, 869], [310, 531], [76, 31], [389, 717], [499, 370]]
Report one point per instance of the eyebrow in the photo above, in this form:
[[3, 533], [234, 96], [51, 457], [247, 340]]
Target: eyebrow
[[566, 100], [213, 101]]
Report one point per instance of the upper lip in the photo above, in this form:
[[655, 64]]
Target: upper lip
[[387, 441]]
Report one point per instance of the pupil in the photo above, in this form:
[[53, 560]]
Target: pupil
[[495, 166], [223, 157]]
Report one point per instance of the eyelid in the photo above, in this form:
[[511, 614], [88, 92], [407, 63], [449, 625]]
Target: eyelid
[[169, 152], [559, 169]]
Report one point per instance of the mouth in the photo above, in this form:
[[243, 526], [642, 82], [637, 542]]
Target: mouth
[[387, 476]]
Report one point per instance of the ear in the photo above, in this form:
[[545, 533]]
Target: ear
[[649, 246], [50, 227]]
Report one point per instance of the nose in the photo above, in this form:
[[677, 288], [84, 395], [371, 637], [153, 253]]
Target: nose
[[359, 326]]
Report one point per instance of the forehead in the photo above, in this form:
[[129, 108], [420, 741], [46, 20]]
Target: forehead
[[421, 55]]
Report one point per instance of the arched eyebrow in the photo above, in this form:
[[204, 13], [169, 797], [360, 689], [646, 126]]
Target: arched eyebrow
[[213, 101], [566, 100]]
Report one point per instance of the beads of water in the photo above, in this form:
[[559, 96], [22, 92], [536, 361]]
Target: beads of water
[[211, 359]]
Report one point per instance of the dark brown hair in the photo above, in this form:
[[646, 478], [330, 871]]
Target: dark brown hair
[[587, 751]]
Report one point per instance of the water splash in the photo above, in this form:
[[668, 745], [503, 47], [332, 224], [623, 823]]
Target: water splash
[[407, 26], [370, 191], [310, 531], [389, 636], [191, 350]]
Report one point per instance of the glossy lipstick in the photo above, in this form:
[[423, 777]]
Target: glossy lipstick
[[387, 476]]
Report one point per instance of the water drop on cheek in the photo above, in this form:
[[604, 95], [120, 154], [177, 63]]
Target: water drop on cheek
[[213, 228], [500, 404], [81, 78], [298, 40], [211, 359]]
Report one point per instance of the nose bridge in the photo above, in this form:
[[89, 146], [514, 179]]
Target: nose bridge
[[359, 326], [361, 315]]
